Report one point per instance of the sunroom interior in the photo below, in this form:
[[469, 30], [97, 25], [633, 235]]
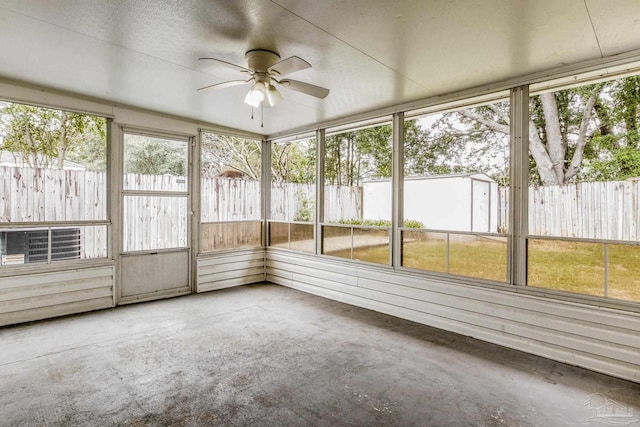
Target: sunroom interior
[[474, 167]]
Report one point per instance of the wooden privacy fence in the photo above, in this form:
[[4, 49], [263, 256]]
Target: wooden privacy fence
[[296, 202], [48, 195], [44, 195], [37, 194], [597, 210], [229, 199], [593, 210]]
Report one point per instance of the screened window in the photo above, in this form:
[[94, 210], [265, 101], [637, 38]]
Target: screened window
[[230, 192], [583, 193], [53, 182], [357, 193], [455, 191], [293, 192]]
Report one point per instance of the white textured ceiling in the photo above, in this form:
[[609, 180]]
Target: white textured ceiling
[[370, 53]]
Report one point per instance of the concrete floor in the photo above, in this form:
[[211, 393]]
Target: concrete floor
[[270, 356]]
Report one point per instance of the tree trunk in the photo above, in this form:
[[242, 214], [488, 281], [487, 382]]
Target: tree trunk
[[62, 142], [34, 150], [555, 144], [541, 157]]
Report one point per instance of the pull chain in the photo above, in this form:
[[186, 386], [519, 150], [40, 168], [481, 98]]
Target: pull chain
[[252, 112], [262, 115]]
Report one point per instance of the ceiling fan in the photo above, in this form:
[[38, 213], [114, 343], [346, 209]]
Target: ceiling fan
[[265, 69]]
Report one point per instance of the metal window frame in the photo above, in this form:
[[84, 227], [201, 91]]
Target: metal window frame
[[265, 187], [320, 164], [397, 190], [107, 221], [518, 186]]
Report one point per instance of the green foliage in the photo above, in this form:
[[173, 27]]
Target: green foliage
[[294, 162], [412, 223], [45, 137], [378, 223], [352, 157], [151, 156], [305, 213], [459, 142], [624, 163], [597, 126]]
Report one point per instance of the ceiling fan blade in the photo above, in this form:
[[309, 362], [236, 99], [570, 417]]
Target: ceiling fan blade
[[223, 85], [307, 88], [289, 65], [228, 64]]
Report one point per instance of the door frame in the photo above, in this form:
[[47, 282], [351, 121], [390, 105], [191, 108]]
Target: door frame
[[118, 193]]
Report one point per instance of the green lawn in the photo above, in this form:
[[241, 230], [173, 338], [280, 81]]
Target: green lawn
[[568, 266]]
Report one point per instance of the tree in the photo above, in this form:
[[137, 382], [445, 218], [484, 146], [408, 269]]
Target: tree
[[149, 156], [224, 152], [584, 133], [560, 126], [294, 162], [354, 156], [615, 152], [44, 137], [458, 142]]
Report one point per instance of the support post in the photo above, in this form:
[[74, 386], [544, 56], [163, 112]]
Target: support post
[[195, 201], [265, 185], [397, 214], [519, 185], [319, 211]]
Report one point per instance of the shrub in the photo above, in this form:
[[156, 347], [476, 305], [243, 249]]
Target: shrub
[[410, 223]]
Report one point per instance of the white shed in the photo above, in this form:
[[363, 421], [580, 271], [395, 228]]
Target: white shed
[[462, 202]]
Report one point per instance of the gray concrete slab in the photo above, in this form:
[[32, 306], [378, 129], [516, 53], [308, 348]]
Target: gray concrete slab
[[265, 355]]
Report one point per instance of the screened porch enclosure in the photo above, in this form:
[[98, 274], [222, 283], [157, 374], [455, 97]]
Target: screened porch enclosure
[[487, 188]]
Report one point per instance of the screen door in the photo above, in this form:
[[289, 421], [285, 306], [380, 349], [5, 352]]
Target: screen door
[[155, 207]]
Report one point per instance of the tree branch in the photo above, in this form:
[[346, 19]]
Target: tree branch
[[492, 124], [503, 115], [576, 161]]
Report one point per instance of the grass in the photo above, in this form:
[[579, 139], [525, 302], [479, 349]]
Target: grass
[[568, 266]]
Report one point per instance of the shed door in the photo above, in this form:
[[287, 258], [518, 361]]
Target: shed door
[[155, 200], [481, 206]]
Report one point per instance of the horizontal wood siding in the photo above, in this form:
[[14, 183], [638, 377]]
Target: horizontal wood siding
[[600, 339], [31, 297], [229, 269]]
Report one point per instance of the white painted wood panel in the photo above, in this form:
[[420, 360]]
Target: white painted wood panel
[[224, 270], [143, 275], [31, 297], [601, 339]]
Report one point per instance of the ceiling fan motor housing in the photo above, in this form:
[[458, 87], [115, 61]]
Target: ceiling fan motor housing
[[259, 60]]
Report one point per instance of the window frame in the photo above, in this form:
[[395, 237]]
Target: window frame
[[197, 184], [52, 265]]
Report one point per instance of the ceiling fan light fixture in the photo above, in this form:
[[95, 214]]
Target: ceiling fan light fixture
[[273, 96], [256, 95], [264, 68]]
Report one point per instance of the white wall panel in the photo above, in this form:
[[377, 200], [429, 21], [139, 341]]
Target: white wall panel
[[224, 270], [31, 297], [601, 339]]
